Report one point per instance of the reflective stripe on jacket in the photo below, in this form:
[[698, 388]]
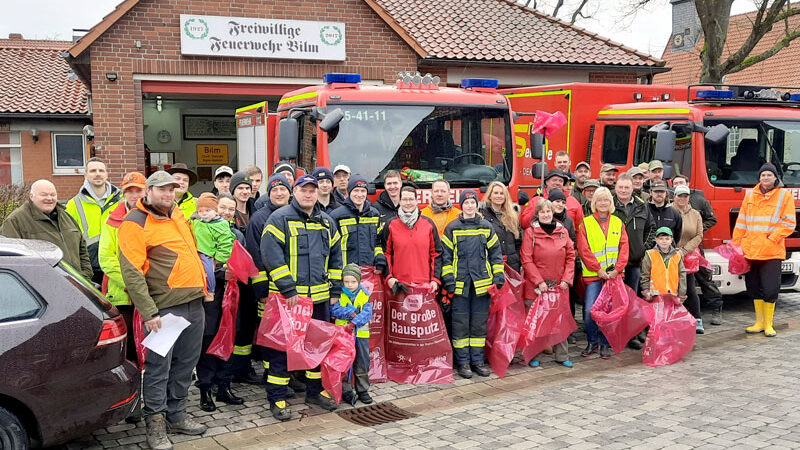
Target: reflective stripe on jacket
[[764, 223], [471, 253], [359, 233], [108, 256], [604, 248], [91, 216], [187, 204], [301, 253]]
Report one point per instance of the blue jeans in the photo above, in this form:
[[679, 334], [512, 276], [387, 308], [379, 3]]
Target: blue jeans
[[592, 332], [632, 277]]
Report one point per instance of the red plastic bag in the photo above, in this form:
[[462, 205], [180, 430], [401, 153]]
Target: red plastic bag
[[620, 314], [241, 264], [138, 337], [417, 347], [373, 283], [548, 323], [506, 316], [339, 359], [222, 344], [672, 333], [737, 264], [694, 261], [285, 330], [547, 124]]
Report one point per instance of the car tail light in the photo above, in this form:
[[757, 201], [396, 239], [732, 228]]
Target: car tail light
[[114, 330]]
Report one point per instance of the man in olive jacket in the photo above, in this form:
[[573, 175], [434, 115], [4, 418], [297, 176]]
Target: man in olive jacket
[[41, 217]]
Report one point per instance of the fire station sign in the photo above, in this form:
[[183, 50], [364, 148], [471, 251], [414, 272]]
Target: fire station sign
[[213, 154], [262, 38]]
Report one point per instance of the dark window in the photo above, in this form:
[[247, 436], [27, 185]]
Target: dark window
[[16, 301], [68, 152], [615, 144]]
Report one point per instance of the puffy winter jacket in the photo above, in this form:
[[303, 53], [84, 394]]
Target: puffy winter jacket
[[441, 219], [666, 216], [214, 239], [159, 261], [108, 256], [547, 257], [574, 211], [764, 223], [252, 239], [91, 215], [386, 208], [414, 254], [639, 225], [471, 254], [509, 244], [302, 254], [359, 232], [333, 205]]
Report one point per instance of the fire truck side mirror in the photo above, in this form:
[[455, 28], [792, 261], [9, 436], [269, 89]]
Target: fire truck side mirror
[[537, 145], [331, 120], [717, 134], [665, 145], [539, 169], [288, 138]]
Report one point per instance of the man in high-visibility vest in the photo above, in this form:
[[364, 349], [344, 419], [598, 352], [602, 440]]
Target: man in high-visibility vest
[[662, 268], [185, 178], [91, 207]]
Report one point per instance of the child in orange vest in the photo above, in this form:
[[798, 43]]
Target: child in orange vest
[[663, 271]]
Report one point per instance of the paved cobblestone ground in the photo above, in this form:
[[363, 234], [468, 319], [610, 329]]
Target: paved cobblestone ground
[[712, 399]]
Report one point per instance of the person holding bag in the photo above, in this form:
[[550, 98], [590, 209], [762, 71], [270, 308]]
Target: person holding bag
[[691, 237], [765, 220], [499, 211], [603, 249], [548, 257]]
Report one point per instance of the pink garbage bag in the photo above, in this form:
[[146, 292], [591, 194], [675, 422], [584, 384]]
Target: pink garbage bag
[[506, 316], [737, 264], [620, 314], [672, 333], [548, 323]]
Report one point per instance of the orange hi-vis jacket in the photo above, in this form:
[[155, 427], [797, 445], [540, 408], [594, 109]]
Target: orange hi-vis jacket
[[764, 223], [159, 260], [664, 278]]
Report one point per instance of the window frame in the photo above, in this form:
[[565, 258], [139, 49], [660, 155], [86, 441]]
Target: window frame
[[67, 170], [12, 147], [627, 126], [33, 295]]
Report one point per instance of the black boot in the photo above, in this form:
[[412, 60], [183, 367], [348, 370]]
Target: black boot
[[365, 398], [225, 395], [481, 369], [206, 402], [249, 378], [464, 371]]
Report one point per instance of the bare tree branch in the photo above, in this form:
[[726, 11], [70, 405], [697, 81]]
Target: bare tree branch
[[749, 61], [577, 12], [557, 8]]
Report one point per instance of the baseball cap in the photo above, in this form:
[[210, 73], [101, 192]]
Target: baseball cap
[[655, 164], [608, 168], [342, 167], [305, 179], [583, 163], [682, 189], [182, 168], [658, 185], [133, 179], [160, 178], [223, 170], [633, 171], [591, 183], [663, 230], [644, 166]]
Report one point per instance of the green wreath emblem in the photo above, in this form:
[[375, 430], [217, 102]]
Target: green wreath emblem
[[189, 32], [333, 28]]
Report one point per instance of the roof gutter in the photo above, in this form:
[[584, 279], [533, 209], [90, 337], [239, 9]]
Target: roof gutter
[[437, 62], [25, 115]]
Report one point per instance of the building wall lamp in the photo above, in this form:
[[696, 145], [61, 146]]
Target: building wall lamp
[[111, 76]]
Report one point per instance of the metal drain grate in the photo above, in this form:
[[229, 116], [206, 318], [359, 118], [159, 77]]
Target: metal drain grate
[[375, 414]]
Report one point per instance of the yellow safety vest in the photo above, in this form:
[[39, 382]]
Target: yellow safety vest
[[605, 248], [362, 298], [664, 278]]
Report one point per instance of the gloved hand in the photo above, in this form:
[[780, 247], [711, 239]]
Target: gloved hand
[[381, 268], [399, 287], [450, 288]]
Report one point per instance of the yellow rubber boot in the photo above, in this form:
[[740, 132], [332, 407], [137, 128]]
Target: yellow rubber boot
[[758, 327], [769, 311]]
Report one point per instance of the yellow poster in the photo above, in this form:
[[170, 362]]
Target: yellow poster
[[212, 154]]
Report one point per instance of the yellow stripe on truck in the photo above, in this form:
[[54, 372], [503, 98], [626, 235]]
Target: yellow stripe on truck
[[298, 97], [612, 112]]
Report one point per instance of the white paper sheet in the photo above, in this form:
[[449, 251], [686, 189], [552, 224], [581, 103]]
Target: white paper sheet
[[161, 341]]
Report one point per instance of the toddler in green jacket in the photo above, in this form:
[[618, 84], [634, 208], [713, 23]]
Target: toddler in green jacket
[[214, 238]]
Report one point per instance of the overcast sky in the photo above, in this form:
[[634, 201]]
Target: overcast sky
[[648, 31]]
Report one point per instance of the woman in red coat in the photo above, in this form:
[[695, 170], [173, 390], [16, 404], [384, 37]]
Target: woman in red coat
[[548, 260]]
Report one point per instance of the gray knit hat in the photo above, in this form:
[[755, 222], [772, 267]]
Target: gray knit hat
[[353, 270]]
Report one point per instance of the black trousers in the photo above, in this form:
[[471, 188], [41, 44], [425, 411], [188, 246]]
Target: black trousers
[[711, 295], [764, 279], [470, 316], [212, 370], [246, 326], [278, 377], [692, 303]]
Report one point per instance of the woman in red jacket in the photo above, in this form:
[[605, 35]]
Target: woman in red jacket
[[548, 257], [413, 249]]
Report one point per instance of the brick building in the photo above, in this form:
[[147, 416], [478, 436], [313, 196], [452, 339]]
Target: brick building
[[158, 78], [43, 109]]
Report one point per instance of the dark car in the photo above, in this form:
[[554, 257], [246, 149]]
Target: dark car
[[63, 371]]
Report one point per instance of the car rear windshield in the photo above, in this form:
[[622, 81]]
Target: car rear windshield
[[85, 286]]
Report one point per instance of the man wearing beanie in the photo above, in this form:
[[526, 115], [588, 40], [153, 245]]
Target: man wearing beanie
[[358, 225], [278, 196], [555, 179], [472, 270], [288, 169], [354, 308], [327, 201], [441, 209], [242, 189]]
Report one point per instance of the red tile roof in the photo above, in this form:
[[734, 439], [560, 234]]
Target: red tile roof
[[36, 79], [503, 31], [779, 70]]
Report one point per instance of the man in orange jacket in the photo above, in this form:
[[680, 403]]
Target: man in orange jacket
[[164, 275]]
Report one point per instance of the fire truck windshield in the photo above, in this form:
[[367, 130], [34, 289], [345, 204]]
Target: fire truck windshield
[[750, 144], [467, 146]]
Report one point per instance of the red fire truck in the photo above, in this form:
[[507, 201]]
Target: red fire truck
[[718, 136]]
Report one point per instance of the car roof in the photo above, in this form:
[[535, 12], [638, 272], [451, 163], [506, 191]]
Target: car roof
[[31, 248]]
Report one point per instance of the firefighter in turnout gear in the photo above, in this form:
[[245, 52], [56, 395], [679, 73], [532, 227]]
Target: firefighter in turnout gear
[[472, 269], [358, 226], [301, 252]]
